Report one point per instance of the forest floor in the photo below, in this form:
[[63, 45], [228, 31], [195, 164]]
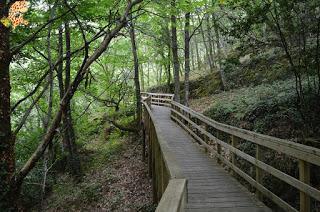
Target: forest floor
[[115, 179]]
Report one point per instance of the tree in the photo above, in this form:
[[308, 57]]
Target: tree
[[136, 71], [187, 58], [175, 55], [10, 183]]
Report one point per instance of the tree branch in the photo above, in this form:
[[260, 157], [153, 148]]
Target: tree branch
[[16, 49]]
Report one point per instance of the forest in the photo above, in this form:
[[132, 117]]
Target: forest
[[76, 78]]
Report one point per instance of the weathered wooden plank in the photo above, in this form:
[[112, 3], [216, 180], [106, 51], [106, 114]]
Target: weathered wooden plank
[[225, 204], [201, 167], [238, 209], [174, 196], [304, 176]]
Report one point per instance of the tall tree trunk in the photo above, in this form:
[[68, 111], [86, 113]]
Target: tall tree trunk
[[221, 71], [175, 55], [168, 58], [168, 67], [142, 77], [148, 74], [69, 135], [7, 155], [197, 53], [60, 67], [49, 152], [192, 58], [160, 74], [136, 72], [187, 58], [206, 47], [210, 42]]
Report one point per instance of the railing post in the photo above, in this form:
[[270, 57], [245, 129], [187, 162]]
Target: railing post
[[206, 138], [234, 143], [304, 176], [144, 136], [154, 168], [150, 146], [258, 170], [218, 148]]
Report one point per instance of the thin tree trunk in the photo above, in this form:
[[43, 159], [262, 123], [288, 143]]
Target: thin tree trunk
[[210, 43], [169, 77], [136, 73], [60, 67], [142, 77], [168, 59], [318, 55], [175, 55], [49, 152], [221, 71], [69, 135], [197, 54], [160, 75], [206, 47], [192, 58], [148, 74], [7, 141], [187, 58]]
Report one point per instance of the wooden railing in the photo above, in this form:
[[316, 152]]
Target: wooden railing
[[168, 184], [160, 99], [223, 141]]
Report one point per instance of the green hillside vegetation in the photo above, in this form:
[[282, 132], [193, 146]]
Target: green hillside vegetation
[[73, 73]]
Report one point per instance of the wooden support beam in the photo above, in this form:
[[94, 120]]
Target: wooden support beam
[[234, 143], [218, 148], [258, 170], [304, 176]]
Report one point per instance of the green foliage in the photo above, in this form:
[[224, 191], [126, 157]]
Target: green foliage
[[267, 108]]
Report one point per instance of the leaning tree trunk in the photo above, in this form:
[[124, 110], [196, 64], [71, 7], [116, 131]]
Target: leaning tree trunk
[[7, 156], [175, 55], [187, 58], [136, 72]]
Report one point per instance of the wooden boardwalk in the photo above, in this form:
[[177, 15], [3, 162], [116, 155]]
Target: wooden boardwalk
[[210, 187]]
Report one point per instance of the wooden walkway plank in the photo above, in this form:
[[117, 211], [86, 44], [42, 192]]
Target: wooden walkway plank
[[210, 187]]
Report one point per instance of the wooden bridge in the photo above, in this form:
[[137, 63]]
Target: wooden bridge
[[194, 162]]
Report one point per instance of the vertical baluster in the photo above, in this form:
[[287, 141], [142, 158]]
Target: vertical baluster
[[206, 139], [150, 145], [258, 170], [218, 148], [304, 176], [154, 166], [234, 143]]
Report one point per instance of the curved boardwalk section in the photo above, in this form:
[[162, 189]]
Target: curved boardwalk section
[[210, 187]]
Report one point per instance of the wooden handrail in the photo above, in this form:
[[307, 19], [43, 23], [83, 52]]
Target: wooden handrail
[[216, 137], [299, 151], [201, 128], [168, 183]]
